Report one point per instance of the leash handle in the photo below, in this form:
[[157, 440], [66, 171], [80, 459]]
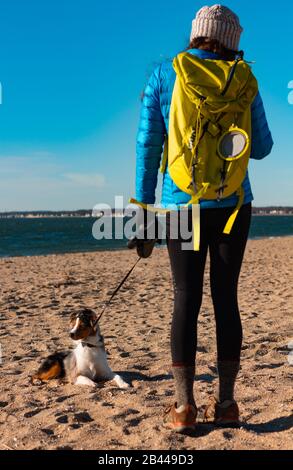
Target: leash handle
[[116, 290]]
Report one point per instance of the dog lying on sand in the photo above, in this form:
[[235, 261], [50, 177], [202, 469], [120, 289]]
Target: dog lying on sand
[[87, 364]]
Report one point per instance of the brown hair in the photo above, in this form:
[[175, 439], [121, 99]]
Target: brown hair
[[212, 45]]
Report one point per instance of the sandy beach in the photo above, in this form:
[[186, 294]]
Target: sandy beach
[[39, 293]]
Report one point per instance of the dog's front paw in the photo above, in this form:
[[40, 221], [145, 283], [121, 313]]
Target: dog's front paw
[[82, 380], [120, 382], [125, 385]]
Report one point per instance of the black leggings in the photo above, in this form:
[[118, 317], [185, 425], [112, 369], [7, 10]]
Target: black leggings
[[226, 256]]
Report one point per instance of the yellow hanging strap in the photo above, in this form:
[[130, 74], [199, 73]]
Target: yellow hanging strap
[[196, 226], [232, 218], [194, 202], [199, 195], [196, 216]]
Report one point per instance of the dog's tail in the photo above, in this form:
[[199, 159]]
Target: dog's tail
[[51, 368]]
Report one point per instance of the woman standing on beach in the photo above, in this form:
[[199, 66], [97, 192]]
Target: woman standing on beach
[[215, 35]]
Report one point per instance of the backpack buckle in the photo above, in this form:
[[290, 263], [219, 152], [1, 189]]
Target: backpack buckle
[[213, 129]]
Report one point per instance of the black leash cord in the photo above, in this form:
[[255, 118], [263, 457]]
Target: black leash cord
[[232, 72], [117, 290]]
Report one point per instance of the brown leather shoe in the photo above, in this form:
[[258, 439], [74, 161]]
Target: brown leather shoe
[[222, 414], [180, 419]]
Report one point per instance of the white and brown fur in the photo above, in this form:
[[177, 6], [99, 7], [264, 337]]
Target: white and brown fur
[[87, 364]]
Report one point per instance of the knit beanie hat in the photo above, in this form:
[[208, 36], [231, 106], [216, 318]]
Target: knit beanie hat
[[217, 22]]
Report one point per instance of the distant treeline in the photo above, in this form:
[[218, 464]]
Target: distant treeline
[[78, 213], [272, 210]]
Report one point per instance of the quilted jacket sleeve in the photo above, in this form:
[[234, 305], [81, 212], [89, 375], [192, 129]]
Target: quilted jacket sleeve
[[149, 142], [262, 141]]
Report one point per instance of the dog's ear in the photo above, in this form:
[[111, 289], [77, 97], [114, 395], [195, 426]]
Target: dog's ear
[[73, 317], [93, 319]]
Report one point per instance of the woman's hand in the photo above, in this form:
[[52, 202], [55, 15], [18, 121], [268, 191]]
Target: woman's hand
[[144, 248], [146, 236]]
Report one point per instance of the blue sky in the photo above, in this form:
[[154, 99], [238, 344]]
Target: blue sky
[[72, 72]]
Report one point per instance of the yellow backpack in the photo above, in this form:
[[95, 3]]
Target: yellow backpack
[[209, 143]]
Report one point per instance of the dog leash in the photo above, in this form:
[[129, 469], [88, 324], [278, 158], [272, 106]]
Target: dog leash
[[116, 290]]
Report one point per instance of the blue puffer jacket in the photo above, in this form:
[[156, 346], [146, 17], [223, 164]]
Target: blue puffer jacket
[[154, 124]]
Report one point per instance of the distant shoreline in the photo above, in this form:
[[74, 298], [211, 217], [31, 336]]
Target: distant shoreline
[[259, 212]]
